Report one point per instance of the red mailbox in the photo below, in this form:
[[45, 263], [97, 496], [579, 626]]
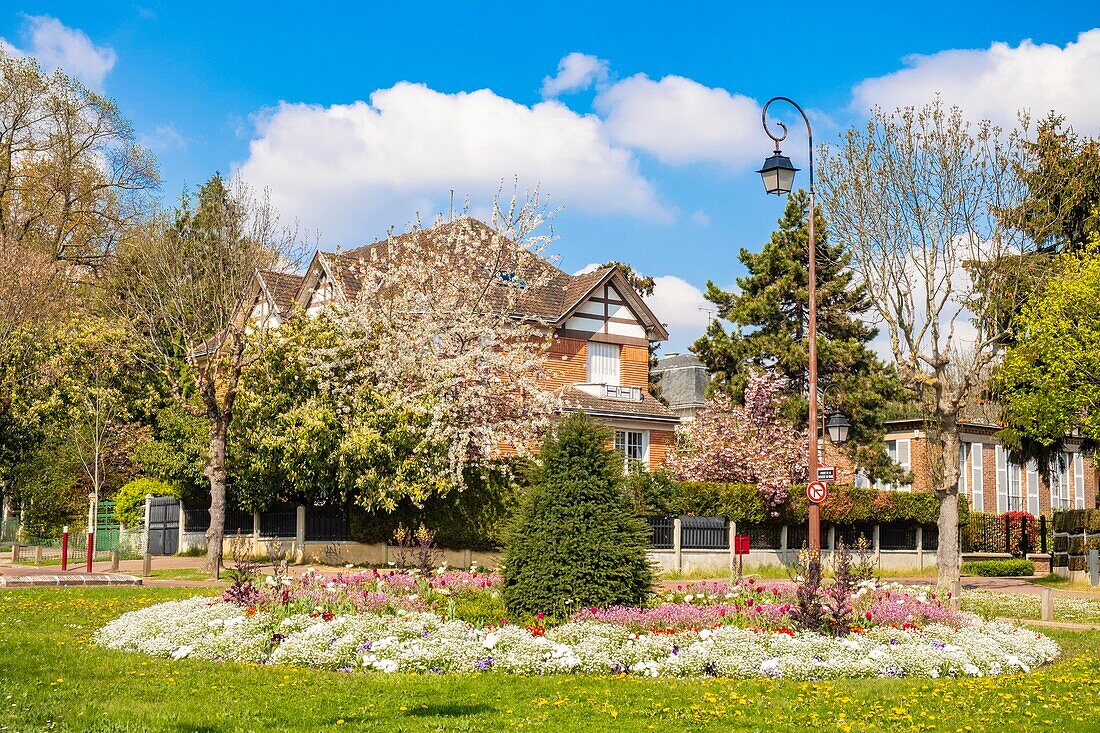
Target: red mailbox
[[741, 544]]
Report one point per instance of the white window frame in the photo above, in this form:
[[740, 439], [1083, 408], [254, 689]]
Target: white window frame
[[964, 449], [1078, 481], [894, 448], [977, 477], [624, 443], [1061, 482], [1015, 493], [1032, 482], [605, 363], [1001, 458]]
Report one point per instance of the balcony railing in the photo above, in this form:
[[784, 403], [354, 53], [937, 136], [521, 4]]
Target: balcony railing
[[612, 391]]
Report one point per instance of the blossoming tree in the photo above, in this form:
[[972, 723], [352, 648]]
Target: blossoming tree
[[746, 443], [441, 329]]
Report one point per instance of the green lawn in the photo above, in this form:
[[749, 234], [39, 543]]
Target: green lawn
[[52, 679]]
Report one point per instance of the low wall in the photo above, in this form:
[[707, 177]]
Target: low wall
[[357, 553], [721, 562]]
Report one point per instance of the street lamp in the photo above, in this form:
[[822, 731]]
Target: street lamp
[[778, 176], [837, 426]]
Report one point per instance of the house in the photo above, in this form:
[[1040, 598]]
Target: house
[[992, 481], [682, 380], [601, 332]]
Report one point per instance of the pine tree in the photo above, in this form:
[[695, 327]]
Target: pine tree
[[770, 320], [576, 543]]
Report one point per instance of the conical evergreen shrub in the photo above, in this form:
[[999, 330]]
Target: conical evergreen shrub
[[575, 542]]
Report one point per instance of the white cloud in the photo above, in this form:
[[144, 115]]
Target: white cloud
[[996, 83], [682, 121], [590, 267], [355, 169], [700, 218], [162, 138], [677, 303], [56, 46], [576, 72]]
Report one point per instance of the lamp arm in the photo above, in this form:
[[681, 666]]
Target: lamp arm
[[780, 138]]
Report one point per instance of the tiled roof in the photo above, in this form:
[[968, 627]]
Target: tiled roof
[[283, 288], [648, 408]]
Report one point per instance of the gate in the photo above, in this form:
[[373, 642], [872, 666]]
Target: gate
[[107, 528], [164, 525]]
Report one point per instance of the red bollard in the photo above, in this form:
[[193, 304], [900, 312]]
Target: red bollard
[[65, 548], [91, 547]]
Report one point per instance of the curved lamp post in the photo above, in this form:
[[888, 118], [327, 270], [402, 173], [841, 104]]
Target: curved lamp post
[[778, 176]]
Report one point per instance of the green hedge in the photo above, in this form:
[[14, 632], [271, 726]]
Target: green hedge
[[1076, 521], [742, 503], [998, 568]]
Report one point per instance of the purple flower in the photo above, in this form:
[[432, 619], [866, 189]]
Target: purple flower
[[484, 665]]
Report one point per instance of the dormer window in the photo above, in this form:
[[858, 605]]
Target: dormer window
[[603, 363]]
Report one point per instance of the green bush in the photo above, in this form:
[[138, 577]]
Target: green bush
[[470, 519], [576, 541], [998, 568], [130, 500]]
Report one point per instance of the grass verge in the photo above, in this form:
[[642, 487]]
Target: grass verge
[[1060, 583], [55, 680]]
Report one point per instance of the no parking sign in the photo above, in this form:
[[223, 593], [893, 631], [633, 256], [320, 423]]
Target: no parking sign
[[816, 492]]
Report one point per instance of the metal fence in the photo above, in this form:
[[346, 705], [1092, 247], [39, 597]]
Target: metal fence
[[850, 534], [9, 530], [661, 530], [279, 521], [47, 550], [897, 537], [196, 520], [327, 524], [765, 536], [704, 533]]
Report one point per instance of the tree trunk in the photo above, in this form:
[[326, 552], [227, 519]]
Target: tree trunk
[[215, 471], [947, 552]]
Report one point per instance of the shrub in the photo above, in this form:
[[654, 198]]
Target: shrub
[[130, 500], [998, 568], [576, 539]]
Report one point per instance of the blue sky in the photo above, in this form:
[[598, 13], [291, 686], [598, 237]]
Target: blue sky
[[359, 115]]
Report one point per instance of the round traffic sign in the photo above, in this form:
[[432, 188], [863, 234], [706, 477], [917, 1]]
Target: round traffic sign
[[816, 492]]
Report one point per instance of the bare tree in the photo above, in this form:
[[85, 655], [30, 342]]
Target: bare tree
[[180, 287], [916, 196]]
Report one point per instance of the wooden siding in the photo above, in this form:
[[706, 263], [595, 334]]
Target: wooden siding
[[634, 367], [566, 363]]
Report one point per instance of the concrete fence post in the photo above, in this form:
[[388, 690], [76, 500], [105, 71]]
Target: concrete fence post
[[147, 565], [920, 547], [114, 561], [38, 554], [733, 556], [182, 529], [1048, 604], [255, 529], [676, 545], [784, 544], [832, 539], [876, 543], [14, 552], [300, 530]]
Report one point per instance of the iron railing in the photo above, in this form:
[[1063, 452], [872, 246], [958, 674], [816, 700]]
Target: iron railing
[[897, 537], [661, 531], [764, 536], [704, 533], [327, 524], [279, 521]]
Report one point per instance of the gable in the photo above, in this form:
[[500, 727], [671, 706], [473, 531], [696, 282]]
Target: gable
[[606, 311]]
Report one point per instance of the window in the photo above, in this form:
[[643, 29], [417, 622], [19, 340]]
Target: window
[[1015, 488], [1033, 488], [603, 363], [633, 445], [1078, 481], [1061, 482], [963, 450], [898, 450], [977, 477]]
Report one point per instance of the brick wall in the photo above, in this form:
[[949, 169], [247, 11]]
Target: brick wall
[[661, 443]]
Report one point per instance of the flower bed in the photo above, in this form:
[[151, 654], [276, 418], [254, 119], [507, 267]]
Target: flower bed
[[399, 622]]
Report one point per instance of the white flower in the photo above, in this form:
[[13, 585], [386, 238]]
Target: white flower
[[491, 640], [771, 668], [182, 652]]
